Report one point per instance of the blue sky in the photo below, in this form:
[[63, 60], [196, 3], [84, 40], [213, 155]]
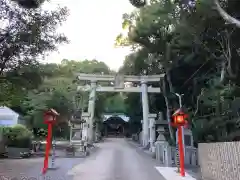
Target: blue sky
[[92, 27]]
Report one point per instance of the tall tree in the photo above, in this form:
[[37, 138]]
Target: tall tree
[[197, 58], [27, 34]]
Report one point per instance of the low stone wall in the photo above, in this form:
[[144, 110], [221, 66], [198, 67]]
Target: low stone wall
[[166, 154], [219, 161]]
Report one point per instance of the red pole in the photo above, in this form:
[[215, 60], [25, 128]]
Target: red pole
[[181, 153], [48, 147]]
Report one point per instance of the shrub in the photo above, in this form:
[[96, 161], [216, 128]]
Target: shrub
[[4, 132], [18, 136]]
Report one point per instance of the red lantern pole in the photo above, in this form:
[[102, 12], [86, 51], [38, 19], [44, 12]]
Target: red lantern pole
[[48, 147], [179, 121], [49, 119], [181, 153]]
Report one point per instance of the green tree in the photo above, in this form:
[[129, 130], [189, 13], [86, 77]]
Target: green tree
[[26, 36], [58, 90], [115, 104], [197, 58]]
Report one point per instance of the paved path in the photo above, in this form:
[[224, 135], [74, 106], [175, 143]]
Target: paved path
[[116, 159]]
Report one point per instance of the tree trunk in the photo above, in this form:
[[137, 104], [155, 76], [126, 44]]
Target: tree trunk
[[168, 112], [168, 78], [225, 15], [167, 59]]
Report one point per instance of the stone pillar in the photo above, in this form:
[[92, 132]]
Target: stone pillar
[[167, 155], [71, 134], [85, 116], [186, 132], [84, 132], [145, 107], [91, 109], [152, 137]]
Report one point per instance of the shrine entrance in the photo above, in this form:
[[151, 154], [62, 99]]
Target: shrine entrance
[[121, 83], [115, 126]]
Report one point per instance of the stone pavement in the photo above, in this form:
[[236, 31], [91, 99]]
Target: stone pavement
[[115, 159]]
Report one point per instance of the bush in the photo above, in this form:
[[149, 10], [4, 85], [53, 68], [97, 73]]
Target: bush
[[4, 130], [3, 133], [18, 136]]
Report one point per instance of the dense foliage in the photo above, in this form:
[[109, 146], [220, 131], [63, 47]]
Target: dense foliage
[[193, 42], [17, 136], [25, 36], [58, 90], [30, 88], [198, 51]]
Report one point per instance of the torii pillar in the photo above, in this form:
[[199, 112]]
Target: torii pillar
[[145, 135], [91, 110]]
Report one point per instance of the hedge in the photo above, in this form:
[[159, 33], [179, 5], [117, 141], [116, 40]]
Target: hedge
[[17, 136]]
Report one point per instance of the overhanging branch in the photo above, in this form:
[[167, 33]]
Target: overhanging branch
[[225, 15]]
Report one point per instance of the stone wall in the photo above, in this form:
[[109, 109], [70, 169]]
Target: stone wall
[[219, 161]]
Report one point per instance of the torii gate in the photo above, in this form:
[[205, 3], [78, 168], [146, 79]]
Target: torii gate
[[119, 86]]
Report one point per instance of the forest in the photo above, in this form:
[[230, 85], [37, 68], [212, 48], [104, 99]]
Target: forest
[[189, 41]]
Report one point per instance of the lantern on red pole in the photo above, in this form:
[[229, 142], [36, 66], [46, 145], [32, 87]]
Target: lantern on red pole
[[50, 117], [179, 121]]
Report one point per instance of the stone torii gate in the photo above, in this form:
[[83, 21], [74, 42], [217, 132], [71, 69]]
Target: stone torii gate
[[119, 86]]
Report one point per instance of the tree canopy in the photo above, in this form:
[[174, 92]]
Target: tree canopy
[[25, 36], [197, 50], [193, 42], [58, 90]]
